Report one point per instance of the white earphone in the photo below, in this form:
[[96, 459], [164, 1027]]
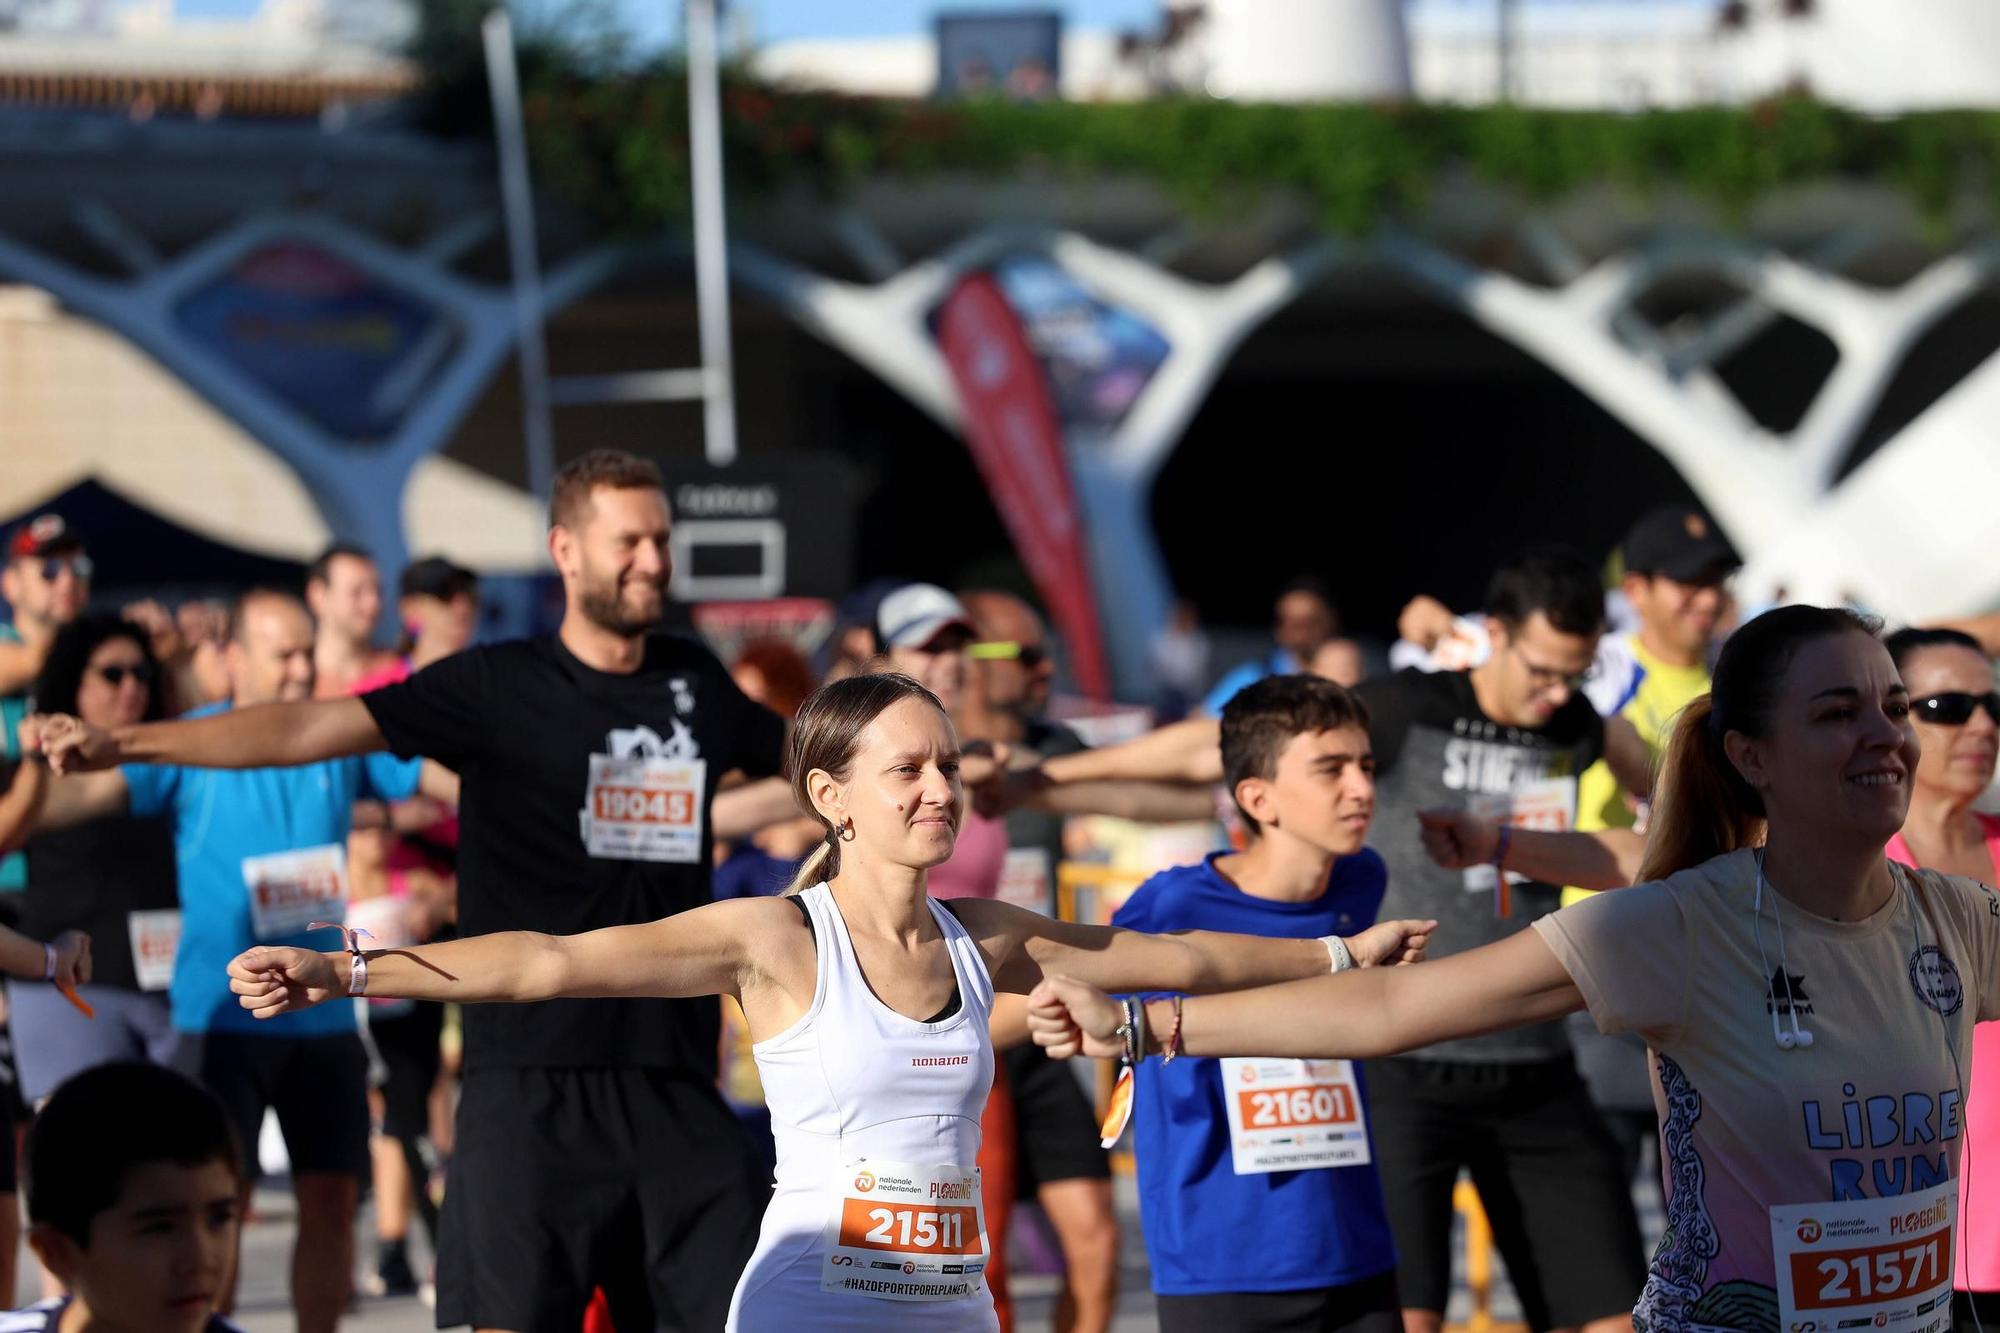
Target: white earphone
[[1799, 1037]]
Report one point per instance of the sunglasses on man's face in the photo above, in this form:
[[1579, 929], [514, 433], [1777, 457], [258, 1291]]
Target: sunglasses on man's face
[[79, 565], [1954, 707], [115, 674], [1029, 655]]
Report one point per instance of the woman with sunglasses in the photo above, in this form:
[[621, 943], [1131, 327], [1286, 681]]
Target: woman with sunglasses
[[1957, 715], [113, 879]]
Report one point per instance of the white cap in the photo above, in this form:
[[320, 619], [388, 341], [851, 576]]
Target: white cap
[[915, 613]]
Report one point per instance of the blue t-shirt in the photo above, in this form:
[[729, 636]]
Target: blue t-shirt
[[1196, 1211], [222, 816], [1279, 663]]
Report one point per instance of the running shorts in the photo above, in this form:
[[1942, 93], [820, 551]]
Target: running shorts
[[410, 1054], [639, 1181], [1366, 1306], [53, 1041], [1547, 1173], [1055, 1128], [317, 1085]]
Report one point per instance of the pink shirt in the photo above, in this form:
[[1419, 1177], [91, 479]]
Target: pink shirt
[[976, 862], [1978, 1204]]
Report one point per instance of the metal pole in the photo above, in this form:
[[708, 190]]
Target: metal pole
[[519, 202], [1505, 49], [711, 240]]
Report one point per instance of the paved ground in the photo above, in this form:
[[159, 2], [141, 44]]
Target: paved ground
[[267, 1247]]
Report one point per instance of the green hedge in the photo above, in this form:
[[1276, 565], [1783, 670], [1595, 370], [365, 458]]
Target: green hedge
[[619, 148]]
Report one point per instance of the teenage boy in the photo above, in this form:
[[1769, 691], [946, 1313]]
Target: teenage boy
[[137, 1211], [1236, 1149]]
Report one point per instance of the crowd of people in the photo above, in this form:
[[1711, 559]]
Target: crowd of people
[[738, 994]]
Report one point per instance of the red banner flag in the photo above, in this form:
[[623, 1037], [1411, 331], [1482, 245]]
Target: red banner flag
[[1017, 441]]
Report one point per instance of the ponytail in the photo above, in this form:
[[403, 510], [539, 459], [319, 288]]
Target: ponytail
[[821, 863], [1702, 807]]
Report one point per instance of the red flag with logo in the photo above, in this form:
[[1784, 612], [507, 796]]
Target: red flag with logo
[[1017, 441]]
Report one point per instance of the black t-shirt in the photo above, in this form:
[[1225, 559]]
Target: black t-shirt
[[1435, 748], [579, 809], [92, 878]]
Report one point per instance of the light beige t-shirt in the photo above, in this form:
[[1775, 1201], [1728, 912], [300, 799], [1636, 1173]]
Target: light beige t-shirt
[[1871, 1109]]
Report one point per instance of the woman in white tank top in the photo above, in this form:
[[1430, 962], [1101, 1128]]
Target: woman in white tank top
[[867, 1002]]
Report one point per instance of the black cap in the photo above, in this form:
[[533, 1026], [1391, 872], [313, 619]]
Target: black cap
[[1681, 543], [44, 534], [436, 577]]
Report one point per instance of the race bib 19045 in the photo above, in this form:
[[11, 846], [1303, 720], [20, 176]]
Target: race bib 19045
[[906, 1232], [644, 809]]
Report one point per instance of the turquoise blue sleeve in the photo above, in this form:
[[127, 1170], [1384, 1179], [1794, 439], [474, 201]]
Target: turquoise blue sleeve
[[389, 778], [151, 789]]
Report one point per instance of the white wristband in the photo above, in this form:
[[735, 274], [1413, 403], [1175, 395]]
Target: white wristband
[[1336, 952], [48, 961]]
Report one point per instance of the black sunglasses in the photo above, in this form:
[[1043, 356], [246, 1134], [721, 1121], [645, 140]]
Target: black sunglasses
[[114, 675], [80, 565], [1954, 708]]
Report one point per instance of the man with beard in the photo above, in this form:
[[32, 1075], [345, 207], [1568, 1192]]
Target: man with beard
[[593, 1149]]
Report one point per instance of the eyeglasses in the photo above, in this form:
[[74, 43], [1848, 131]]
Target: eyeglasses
[[1954, 707], [1546, 678], [1029, 655], [79, 565], [114, 675]]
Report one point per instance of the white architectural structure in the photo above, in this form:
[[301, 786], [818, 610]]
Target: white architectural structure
[[1608, 54]]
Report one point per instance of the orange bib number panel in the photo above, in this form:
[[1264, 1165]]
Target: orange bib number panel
[[906, 1232]]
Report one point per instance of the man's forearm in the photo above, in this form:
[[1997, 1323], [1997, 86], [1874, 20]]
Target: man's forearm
[[1188, 751], [22, 803], [275, 735], [1603, 859]]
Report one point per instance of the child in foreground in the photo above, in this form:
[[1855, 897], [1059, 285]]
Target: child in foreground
[[133, 1178]]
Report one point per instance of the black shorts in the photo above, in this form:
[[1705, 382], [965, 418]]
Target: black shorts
[[1367, 1306], [1546, 1170], [1055, 1130], [639, 1181], [317, 1085], [408, 1048]]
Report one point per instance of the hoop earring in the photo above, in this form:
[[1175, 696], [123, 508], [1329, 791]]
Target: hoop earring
[[847, 831]]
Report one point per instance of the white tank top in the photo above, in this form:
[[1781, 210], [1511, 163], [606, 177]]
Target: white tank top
[[876, 1118]]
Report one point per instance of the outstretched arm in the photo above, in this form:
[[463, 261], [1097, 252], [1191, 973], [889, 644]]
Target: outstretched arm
[[1186, 752], [1022, 946], [261, 736], [701, 952], [1356, 1015], [1147, 802], [1600, 859]]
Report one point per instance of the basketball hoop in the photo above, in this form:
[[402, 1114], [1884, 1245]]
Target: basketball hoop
[[802, 622]]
